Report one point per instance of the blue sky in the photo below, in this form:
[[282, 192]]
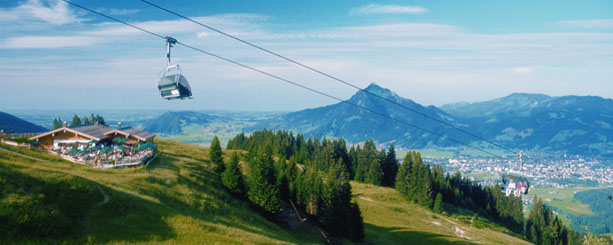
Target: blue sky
[[55, 56]]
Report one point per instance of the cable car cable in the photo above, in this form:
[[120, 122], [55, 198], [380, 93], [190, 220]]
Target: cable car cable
[[300, 85], [290, 82], [329, 76]]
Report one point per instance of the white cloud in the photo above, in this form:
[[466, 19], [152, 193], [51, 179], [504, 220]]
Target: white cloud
[[387, 9], [428, 62], [604, 23], [53, 12], [523, 70], [48, 42]]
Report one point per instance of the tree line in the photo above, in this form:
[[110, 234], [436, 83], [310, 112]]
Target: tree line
[[419, 182], [79, 121], [270, 182]]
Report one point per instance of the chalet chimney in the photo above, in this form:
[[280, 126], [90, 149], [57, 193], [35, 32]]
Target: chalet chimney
[[64, 123], [118, 124]]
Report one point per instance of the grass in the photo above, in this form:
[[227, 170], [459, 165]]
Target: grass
[[563, 199], [390, 219], [178, 199]]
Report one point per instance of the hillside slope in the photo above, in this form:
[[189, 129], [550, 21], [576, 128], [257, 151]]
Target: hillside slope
[[178, 199], [390, 219], [9, 123]]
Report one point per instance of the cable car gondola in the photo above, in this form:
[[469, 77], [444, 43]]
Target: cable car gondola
[[172, 84], [516, 184]]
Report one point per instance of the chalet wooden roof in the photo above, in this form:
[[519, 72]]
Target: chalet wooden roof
[[99, 132], [132, 131]]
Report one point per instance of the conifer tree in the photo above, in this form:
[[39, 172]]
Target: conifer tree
[[57, 123], [336, 198], [338, 214], [402, 177], [86, 121], [374, 175], [292, 178], [232, 177], [282, 180], [438, 204], [426, 194], [100, 119], [215, 155], [390, 167], [263, 191], [309, 191], [76, 121]]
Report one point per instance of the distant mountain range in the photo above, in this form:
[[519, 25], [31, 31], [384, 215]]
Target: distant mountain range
[[356, 125], [172, 122], [569, 124], [10, 123], [572, 124]]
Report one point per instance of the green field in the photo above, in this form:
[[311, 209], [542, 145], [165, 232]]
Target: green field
[[390, 219], [177, 198], [562, 199]]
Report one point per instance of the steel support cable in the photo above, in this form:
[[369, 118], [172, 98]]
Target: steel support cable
[[329, 76], [291, 82]]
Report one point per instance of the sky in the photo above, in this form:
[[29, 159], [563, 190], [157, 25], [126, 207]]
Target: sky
[[56, 56]]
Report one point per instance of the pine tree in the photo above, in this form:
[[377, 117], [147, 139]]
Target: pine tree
[[309, 188], [85, 121], [402, 177], [263, 191], [232, 177], [438, 204], [374, 175], [390, 167], [339, 215], [100, 119], [76, 121], [57, 123], [282, 181], [336, 198], [292, 178], [426, 196], [215, 155]]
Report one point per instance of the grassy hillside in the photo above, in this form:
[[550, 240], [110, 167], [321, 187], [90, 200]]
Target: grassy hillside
[[390, 219], [178, 199]]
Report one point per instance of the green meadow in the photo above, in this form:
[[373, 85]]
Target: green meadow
[[178, 198]]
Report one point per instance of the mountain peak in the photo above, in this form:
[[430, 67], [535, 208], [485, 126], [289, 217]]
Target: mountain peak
[[380, 91]]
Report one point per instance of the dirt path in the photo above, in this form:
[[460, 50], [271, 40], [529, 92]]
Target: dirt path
[[26, 156]]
